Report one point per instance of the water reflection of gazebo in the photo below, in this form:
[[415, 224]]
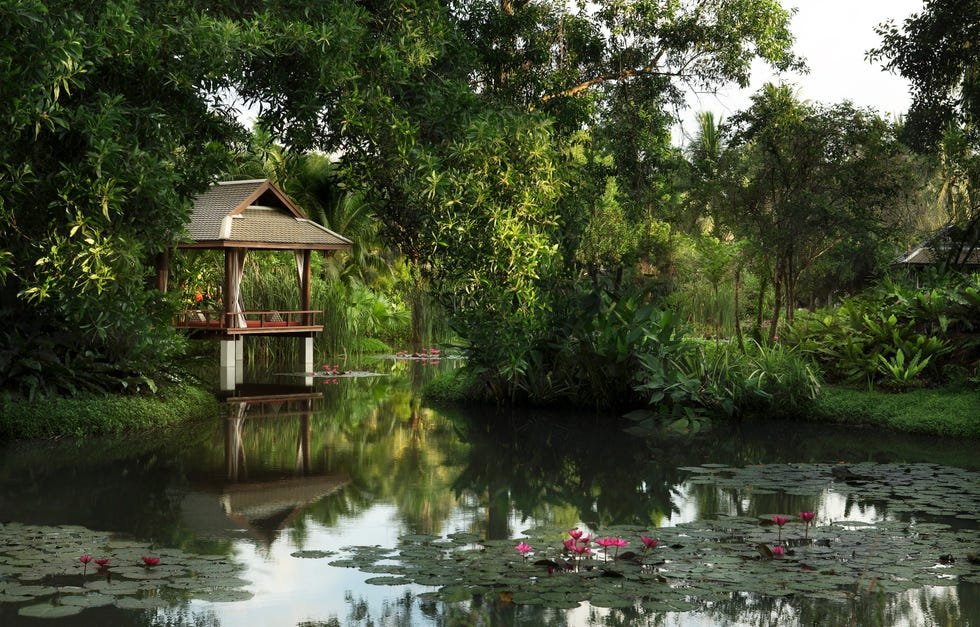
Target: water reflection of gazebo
[[238, 217], [260, 506]]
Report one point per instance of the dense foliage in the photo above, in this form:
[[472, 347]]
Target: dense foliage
[[112, 118], [898, 336], [510, 161]]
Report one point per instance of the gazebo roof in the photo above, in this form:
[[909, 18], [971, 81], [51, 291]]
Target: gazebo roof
[[255, 214]]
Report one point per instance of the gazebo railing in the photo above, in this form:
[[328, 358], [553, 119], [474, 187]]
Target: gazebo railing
[[267, 319]]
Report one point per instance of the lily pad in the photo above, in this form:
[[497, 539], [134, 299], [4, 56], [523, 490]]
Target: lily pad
[[312, 554], [93, 599], [49, 610]]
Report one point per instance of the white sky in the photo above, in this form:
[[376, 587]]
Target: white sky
[[833, 36]]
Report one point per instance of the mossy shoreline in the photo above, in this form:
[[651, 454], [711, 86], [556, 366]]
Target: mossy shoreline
[[96, 415], [948, 412], [943, 412]]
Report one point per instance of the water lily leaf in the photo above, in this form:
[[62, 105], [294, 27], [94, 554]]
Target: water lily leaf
[[345, 563], [388, 581], [115, 587], [48, 610], [224, 596], [527, 598], [141, 603], [92, 599], [611, 601], [13, 598], [312, 554]]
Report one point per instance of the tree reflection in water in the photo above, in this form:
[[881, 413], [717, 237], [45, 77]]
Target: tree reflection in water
[[451, 469]]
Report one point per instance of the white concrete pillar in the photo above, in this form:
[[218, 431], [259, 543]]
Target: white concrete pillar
[[308, 359], [227, 365]]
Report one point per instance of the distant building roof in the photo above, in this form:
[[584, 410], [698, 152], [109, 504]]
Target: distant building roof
[[255, 214], [925, 253]]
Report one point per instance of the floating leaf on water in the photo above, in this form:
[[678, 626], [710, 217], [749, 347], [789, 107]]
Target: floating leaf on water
[[312, 554], [611, 601], [345, 563], [116, 587], [48, 610], [388, 581], [141, 603], [225, 596], [92, 599]]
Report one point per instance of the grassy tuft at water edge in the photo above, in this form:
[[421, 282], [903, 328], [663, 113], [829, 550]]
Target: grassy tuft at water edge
[[943, 411], [99, 415]]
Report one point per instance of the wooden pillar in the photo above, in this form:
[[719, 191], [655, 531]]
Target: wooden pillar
[[163, 270]]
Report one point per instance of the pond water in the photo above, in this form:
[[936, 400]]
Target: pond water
[[254, 515]]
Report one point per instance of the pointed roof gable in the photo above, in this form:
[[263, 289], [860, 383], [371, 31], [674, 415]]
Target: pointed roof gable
[[255, 214]]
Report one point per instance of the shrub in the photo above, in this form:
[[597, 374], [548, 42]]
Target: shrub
[[895, 336], [103, 414]]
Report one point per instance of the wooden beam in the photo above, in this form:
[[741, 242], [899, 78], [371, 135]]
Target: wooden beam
[[163, 270]]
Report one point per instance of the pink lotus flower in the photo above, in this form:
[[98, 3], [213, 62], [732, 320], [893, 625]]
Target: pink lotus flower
[[780, 520], [778, 550], [569, 544], [608, 542], [582, 550], [85, 559], [523, 548], [575, 533], [102, 562], [649, 543], [807, 518], [150, 561], [585, 540]]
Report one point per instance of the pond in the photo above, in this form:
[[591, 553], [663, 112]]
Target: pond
[[352, 502]]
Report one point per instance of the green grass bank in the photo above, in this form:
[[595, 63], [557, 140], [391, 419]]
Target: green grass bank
[[101, 415], [944, 411], [950, 412]]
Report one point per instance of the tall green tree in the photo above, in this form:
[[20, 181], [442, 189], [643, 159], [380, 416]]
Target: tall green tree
[[937, 51], [112, 117], [807, 178]]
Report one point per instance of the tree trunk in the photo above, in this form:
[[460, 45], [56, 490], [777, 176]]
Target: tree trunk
[[417, 325], [738, 323], [777, 289], [760, 301]]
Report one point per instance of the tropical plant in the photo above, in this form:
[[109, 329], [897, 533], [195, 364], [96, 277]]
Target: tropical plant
[[895, 335]]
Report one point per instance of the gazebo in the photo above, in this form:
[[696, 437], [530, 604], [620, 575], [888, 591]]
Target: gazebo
[[238, 217]]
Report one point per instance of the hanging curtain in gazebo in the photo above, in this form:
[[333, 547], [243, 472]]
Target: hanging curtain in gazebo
[[236, 269], [300, 268]]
